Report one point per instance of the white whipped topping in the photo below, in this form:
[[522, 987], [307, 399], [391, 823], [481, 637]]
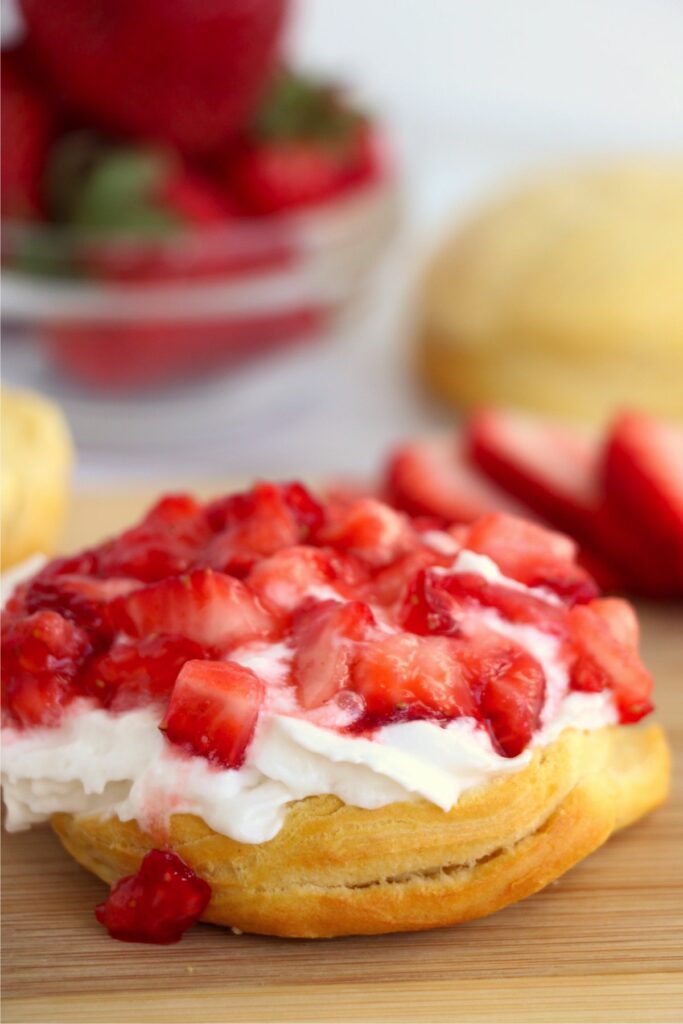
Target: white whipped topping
[[120, 764]]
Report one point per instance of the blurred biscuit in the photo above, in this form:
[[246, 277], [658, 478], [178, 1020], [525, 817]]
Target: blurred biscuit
[[563, 297], [36, 466]]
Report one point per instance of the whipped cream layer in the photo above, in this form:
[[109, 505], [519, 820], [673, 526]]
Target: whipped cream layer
[[121, 764]]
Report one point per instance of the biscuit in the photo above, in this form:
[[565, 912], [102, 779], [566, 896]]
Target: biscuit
[[334, 869], [565, 297]]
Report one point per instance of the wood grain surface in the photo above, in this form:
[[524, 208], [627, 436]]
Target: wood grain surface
[[604, 943]]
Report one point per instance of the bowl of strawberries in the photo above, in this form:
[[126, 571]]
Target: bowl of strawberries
[[175, 198]]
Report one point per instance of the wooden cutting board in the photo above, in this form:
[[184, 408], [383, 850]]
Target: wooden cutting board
[[602, 944]]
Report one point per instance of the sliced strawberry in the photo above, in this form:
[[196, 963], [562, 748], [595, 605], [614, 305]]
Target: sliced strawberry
[[213, 710], [157, 904], [135, 672], [208, 607], [372, 531], [555, 472], [602, 635], [42, 657], [432, 478], [510, 688], [167, 542], [643, 480], [390, 584], [404, 677], [326, 638], [532, 555]]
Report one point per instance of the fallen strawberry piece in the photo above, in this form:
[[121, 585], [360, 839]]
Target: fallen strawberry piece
[[135, 672], [532, 555], [432, 478], [157, 904], [42, 657], [213, 711], [406, 677], [214, 610], [602, 635], [643, 479], [326, 638]]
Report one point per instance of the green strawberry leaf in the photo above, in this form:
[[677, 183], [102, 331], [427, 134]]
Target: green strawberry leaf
[[297, 107]]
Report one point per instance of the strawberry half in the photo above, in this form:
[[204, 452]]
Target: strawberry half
[[208, 607], [603, 637], [405, 677], [643, 479], [26, 129], [213, 710], [432, 478], [157, 904]]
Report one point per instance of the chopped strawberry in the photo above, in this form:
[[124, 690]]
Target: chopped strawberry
[[213, 710], [208, 607], [372, 531], [326, 636], [390, 584], [404, 677], [135, 672], [432, 478], [643, 480], [283, 581], [82, 599], [42, 657], [510, 688], [305, 146], [167, 542], [532, 555], [260, 522], [157, 904], [604, 639]]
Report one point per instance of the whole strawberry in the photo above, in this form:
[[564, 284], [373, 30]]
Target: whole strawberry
[[183, 71], [26, 129], [305, 146]]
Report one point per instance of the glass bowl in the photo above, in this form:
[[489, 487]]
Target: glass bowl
[[130, 315]]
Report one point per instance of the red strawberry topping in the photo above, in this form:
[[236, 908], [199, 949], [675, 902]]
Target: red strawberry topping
[[326, 638], [213, 710], [157, 904], [133, 672]]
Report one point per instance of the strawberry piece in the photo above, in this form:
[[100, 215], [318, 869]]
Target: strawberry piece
[[326, 638], [643, 480], [390, 584], [133, 673], [185, 74], [406, 677], [260, 522], [532, 555], [602, 634], [370, 530], [82, 599], [167, 542], [304, 147], [42, 657], [510, 688], [157, 904], [555, 472], [283, 581], [208, 607], [432, 478], [213, 710]]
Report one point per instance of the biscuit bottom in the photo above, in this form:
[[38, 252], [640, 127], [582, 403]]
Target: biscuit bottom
[[334, 869]]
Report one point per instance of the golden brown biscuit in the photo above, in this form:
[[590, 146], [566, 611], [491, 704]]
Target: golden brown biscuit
[[564, 297], [334, 869], [36, 467]]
